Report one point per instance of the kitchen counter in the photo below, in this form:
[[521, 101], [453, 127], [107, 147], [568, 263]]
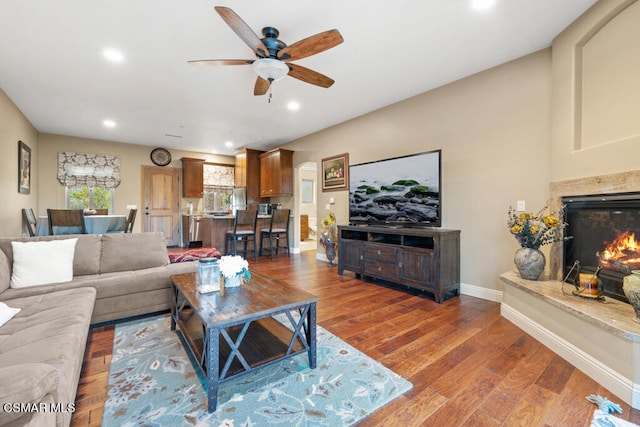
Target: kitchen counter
[[211, 229], [229, 216]]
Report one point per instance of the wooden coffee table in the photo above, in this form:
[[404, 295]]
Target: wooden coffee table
[[236, 333]]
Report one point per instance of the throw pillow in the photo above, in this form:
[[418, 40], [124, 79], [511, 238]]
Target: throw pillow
[[42, 263], [6, 313]]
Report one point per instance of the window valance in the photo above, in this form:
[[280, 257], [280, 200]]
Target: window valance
[[77, 169], [218, 175]]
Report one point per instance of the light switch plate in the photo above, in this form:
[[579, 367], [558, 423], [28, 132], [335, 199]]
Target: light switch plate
[[520, 206]]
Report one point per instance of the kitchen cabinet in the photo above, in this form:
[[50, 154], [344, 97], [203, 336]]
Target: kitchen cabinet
[[247, 174], [276, 173], [192, 177]]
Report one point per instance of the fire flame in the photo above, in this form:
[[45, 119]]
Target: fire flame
[[624, 245]]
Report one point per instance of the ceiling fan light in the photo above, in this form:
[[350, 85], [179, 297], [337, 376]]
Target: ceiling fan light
[[270, 69]]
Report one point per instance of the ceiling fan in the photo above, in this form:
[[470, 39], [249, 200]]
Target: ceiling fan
[[273, 55]]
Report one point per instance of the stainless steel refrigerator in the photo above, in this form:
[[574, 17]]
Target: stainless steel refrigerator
[[238, 199]]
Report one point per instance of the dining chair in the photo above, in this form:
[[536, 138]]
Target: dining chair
[[73, 219], [30, 220], [278, 226], [131, 218], [101, 211], [244, 230]]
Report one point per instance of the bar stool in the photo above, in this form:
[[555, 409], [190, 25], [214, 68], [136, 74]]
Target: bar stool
[[244, 229], [279, 225]]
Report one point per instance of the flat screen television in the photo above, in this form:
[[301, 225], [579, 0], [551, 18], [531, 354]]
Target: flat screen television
[[400, 191]]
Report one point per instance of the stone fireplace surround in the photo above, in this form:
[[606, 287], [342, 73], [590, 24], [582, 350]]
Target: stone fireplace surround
[[600, 339]]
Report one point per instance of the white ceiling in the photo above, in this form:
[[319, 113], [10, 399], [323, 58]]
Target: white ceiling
[[52, 67]]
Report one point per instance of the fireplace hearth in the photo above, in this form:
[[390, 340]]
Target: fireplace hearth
[[605, 238]]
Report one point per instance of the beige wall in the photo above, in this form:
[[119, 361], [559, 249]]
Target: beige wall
[[132, 157], [585, 84], [494, 132], [15, 127]]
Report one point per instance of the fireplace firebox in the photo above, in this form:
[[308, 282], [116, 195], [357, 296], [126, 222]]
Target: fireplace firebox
[[605, 238]]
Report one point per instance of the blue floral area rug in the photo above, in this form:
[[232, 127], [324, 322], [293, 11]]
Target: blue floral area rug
[[153, 383], [605, 419]]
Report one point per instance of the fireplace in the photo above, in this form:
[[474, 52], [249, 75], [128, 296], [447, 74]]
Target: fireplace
[[605, 232]]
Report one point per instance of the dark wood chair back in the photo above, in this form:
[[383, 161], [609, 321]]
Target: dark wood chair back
[[244, 230], [280, 221], [278, 226], [131, 218], [30, 220], [101, 211], [245, 221], [66, 218]]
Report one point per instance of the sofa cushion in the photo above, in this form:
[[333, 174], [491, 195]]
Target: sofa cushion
[[42, 263], [85, 261], [126, 251], [25, 383], [52, 329], [78, 282]]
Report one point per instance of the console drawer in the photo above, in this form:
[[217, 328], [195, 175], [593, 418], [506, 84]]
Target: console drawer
[[384, 253], [382, 270]]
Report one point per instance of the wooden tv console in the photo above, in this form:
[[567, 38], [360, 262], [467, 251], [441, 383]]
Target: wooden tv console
[[420, 258]]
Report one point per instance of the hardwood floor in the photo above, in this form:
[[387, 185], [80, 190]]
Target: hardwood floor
[[468, 365]]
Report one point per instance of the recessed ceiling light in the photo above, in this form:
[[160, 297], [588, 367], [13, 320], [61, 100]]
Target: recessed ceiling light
[[482, 4], [293, 106], [109, 123], [228, 144], [113, 55]]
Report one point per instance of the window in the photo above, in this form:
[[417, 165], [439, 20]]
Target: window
[[89, 179], [216, 198], [218, 187], [306, 190], [85, 197]]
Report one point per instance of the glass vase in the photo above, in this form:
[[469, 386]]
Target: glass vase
[[233, 282]]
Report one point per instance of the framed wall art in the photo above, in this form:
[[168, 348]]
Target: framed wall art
[[24, 168], [335, 173]]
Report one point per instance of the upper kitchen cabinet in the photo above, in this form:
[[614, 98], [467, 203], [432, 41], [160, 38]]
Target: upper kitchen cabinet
[[247, 174], [276, 173], [192, 177]]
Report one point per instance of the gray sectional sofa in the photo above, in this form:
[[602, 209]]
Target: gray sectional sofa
[[42, 347]]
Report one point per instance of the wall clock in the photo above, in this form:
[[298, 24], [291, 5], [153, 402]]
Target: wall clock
[[160, 157]]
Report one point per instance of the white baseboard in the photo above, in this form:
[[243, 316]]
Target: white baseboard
[[622, 387], [480, 292]]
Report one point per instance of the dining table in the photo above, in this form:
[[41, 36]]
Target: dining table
[[95, 224]]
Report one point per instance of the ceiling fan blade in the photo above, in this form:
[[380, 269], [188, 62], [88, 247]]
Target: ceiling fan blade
[[222, 62], [261, 87], [311, 45], [309, 76], [243, 31]]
